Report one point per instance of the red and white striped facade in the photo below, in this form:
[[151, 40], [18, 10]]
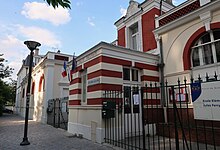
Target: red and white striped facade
[[144, 15], [103, 65], [105, 62]]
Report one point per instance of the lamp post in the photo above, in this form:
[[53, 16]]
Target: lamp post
[[32, 45]]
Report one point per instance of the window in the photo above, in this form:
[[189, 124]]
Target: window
[[127, 99], [205, 38], [32, 89], [41, 84], [130, 74], [126, 74], [131, 84], [134, 75], [195, 57], [23, 92], [84, 85], [216, 35], [134, 37], [131, 98], [207, 54], [206, 50], [217, 48]]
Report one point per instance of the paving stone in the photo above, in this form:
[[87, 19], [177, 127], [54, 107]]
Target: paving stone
[[40, 136]]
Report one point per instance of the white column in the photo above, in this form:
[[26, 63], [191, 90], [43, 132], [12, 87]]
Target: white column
[[127, 40], [140, 42]]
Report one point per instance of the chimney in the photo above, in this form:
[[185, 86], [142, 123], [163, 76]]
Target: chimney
[[169, 1], [36, 53]]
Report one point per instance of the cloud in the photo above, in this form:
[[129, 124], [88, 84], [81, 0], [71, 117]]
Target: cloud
[[12, 43], [14, 51], [41, 11], [11, 46], [123, 11], [44, 36], [90, 21]]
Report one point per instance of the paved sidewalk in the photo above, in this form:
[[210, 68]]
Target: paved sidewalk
[[41, 137]]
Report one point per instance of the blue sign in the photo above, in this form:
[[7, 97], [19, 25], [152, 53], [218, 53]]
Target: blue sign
[[195, 91]]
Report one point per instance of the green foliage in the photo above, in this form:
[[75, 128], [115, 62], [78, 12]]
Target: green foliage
[[7, 90], [5, 71], [1, 105], [13, 86], [7, 93], [56, 3]]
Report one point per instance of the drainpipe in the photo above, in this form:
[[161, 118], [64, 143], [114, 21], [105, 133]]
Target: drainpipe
[[161, 67], [161, 2]]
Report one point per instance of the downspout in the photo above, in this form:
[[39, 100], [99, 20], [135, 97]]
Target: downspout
[[161, 68], [161, 12]]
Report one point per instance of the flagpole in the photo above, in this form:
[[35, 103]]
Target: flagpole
[[73, 66], [68, 73]]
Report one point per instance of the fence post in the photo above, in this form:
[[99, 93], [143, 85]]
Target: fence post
[[143, 122], [175, 120], [59, 112], [54, 113]]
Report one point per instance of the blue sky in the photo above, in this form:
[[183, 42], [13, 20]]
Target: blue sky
[[75, 30]]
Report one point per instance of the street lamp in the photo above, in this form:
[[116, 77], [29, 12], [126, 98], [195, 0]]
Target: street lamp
[[32, 45]]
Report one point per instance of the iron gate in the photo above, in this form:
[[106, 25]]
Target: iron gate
[[138, 118], [57, 112]]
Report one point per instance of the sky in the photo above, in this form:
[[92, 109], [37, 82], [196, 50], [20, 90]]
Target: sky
[[87, 23]]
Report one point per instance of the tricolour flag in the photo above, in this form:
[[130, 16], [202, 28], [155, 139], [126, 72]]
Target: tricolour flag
[[73, 66], [64, 72], [73, 63]]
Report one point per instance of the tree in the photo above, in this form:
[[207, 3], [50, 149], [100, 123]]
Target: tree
[[7, 90], [56, 3], [12, 89], [4, 71], [7, 94]]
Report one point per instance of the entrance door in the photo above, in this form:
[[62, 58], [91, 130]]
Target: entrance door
[[132, 110]]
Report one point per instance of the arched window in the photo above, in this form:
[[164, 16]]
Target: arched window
[[32, 89], [41, 84], [206, 49]]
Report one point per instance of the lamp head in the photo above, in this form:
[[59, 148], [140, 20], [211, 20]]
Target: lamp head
[[32, 45]]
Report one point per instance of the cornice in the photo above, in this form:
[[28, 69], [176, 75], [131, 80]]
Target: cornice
[[188, 17], [102, 46]]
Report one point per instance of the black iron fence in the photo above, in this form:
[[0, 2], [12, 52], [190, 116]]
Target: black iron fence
[[57, 112], [140, 118]]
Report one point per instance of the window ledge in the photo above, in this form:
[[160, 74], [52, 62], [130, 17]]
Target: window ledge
[[205, 66]]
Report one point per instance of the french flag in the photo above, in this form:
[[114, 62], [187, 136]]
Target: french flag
[[64, 72], [73, 63], [73, 67]]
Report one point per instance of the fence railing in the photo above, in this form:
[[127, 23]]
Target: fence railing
[[140, 118], [57, 112]]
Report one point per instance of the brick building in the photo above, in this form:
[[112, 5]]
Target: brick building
[[129, 63]]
